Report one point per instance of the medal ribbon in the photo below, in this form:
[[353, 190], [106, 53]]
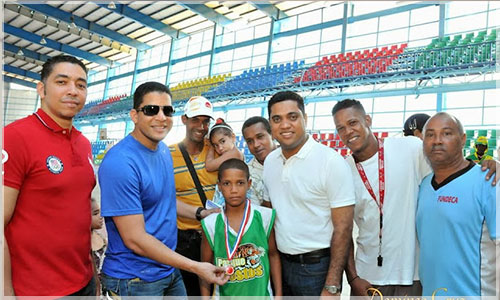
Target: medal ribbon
[[232, 250], [381, 187]]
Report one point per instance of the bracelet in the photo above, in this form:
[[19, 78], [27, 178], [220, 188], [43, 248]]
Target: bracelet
[[198, 213], [356, 277]]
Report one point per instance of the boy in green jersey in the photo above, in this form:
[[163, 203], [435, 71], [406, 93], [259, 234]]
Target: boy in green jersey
[[241, 238]]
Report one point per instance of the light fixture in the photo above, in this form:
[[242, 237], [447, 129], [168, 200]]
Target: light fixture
[[43, 41], [20, 52], [111, 5]]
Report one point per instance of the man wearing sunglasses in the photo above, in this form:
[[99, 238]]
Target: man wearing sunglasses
[[139, 206]]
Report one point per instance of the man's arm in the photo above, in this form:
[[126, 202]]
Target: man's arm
[[9, 205], [189, 211], [134, 236], [342, 219], [207, 255], [359, 286]]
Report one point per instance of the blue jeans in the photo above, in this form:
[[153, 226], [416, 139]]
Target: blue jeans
[[304, 279], [171, 285]]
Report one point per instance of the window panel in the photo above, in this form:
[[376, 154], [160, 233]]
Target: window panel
[[330, 47], [461, 8], [463, 99], [361, 42], [426, 101], [394, 21], [308, 38], [393, 37], [384, 104], [362, 27], [424, 15], [331, 33], [310, 18], [468, 117], [430, 30], [388, 120], [333, 12], [467, 23], [308, 51]]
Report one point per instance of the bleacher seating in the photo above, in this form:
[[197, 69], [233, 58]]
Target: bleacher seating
[[255, 79], [333, 140], [188, 89], [472, 134], [108, 105]]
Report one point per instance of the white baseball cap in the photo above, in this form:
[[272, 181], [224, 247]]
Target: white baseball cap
[[198, 106]]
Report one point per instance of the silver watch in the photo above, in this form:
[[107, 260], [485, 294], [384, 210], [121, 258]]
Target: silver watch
[[333, 289]]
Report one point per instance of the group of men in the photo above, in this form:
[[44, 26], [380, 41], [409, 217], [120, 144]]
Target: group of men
[[153, 196]]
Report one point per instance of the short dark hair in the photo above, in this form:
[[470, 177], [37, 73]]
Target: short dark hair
[[346, 103], [149, 87], [234, 163], [284, 96], [254, 120], [48, 66]]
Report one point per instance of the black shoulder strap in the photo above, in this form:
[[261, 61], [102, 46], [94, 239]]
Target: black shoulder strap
[[191, 169]]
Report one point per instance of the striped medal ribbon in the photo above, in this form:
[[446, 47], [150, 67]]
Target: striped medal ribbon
[[232, 250]]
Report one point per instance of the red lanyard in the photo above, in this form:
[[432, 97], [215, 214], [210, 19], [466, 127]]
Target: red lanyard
[[381, 187]]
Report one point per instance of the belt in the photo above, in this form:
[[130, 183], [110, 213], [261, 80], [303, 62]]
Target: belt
[[312, 257]]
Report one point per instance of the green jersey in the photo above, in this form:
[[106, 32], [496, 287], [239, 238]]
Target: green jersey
[[476, 159], [251, 275]]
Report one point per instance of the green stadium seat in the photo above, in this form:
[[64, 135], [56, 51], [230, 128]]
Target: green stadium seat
[[492, 143], [469, 133], [490, 152], [493, 133], [482, 132]]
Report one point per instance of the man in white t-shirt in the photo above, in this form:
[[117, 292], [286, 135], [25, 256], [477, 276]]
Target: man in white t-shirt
[[385, 256], [257, 133], [311, 188]]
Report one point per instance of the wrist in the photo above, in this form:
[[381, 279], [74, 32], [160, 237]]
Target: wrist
[[198, 213], [352, 279]]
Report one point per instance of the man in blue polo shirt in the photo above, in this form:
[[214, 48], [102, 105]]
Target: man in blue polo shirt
[[454, 203], [138, 202]]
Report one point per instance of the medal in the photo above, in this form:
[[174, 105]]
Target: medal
[[229, 270], [230, 251]]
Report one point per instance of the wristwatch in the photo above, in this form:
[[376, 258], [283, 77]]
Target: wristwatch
[[333, 289], [198, 213]]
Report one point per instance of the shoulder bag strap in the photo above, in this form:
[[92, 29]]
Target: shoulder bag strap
[[191, 169]]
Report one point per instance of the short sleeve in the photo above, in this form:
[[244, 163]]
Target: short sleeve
[[15, 159], [120, 186], [489, 204], [339, 182]]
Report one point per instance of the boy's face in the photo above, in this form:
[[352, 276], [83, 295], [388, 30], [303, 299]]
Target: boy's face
[[233, 184], [97, 220]]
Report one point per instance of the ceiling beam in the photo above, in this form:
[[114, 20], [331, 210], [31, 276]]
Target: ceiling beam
[[270, 10], [34, 38], [7, 78], [67, 17], [145, 20], [21, 72], [206, 12], [28, 53]]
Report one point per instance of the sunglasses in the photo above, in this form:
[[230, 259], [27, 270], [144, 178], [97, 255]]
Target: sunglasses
[[153, 110]]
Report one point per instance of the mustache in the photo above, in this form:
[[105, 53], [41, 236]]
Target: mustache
[[437, 147]]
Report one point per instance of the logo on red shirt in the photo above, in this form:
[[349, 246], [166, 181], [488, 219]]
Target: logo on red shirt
[[54, 164], [448, 199]]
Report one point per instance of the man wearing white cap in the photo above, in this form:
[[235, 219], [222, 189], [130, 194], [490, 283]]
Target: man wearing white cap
[[197, 115]]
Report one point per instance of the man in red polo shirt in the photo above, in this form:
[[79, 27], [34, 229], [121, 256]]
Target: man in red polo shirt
[[48, 179]]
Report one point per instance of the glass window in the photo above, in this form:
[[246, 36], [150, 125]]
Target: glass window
[[333, 12], [361, 42], [308, 51], [244, 34], [430, 30], [394, 21], [463, 99], [262, 30], [393, 37], [331, 33], [330, 47], [384, 104], [422, 102], [424, 15], [491, 116], [310, 18], [365, 7], [283, 43], [308, 38], [469, 116], [362, 27], [467, 23], [388, 120], [491, 97], [461, 8], [286, 24]]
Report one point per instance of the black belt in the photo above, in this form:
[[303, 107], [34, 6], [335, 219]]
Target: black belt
[[312, 257]]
